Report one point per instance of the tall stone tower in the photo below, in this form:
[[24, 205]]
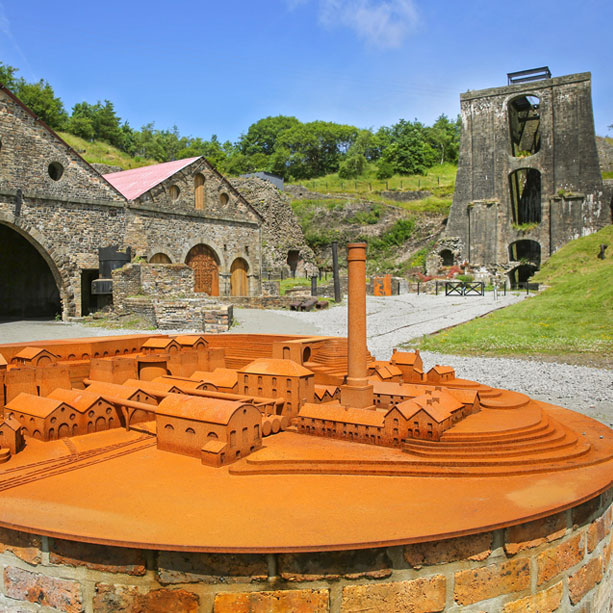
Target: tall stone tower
[[528, 175]]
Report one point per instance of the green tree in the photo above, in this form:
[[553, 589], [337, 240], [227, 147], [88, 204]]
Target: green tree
[[407, 150], [41, 100], [7, 76], [444, 137], [262, 135]]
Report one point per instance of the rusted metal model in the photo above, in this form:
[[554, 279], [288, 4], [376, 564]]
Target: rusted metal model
[[109, 440]]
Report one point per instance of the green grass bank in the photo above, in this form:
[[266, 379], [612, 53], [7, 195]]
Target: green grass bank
[[571, 321]]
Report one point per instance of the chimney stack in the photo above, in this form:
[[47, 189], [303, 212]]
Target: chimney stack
[[357, 392]]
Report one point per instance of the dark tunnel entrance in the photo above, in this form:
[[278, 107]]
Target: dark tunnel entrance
[[27, 286]]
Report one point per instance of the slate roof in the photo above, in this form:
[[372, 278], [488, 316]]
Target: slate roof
[[136, 181]]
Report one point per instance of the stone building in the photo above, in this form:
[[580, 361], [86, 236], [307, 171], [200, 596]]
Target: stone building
[[528, 177], [57, 211]]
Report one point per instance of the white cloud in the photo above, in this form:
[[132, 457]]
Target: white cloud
[[381, 23]]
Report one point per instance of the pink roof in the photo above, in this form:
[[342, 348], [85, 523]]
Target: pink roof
[[135, 182]]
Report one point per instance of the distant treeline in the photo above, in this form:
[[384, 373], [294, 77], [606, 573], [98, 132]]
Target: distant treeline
[[282, 145]]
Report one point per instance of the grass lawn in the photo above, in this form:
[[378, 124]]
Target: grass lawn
[[571, 320]]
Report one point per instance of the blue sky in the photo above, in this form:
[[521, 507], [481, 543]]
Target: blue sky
[[216, 67]]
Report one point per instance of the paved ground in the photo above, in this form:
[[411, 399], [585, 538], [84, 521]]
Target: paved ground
[[393, 321]]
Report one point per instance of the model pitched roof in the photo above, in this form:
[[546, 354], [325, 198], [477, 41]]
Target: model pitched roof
[[332, 411], [158, 343], [441, 370], [11, 423], [114, 389], [322, 390], [135, 182], [189, 340], [220, 377], [385, 370], [29, 353], [3, 361], [214, 446], [81, 400], [275, 366], [211, 410], [406, 358], [37, 406]]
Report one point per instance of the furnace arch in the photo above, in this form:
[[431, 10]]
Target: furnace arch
[[525, 189], [525, 125], [31, 283]]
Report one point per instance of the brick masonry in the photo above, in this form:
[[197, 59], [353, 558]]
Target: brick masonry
[[68, 219], [556, 564]]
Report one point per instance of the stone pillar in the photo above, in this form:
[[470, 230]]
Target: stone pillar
[[357, 392]]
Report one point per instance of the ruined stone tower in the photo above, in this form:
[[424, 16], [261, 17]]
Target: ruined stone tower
[[528, 176]]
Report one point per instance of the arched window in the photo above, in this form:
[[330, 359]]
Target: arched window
[[159, 258], [174, 192], [190, 431], [224, 198], [199, 192]]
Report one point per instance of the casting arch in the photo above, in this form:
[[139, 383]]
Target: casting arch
[[159, 257], [40, 244]]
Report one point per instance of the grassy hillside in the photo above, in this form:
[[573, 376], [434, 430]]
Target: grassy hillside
[[570, 320], [99, 152], [440, 180]]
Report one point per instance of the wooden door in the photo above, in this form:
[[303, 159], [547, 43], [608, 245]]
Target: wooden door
[[206, 270], [239, 285]]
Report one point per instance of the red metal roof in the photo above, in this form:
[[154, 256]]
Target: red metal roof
[[135, 182]]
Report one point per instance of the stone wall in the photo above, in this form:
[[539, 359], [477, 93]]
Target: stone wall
[[66, 210], [560, 563], [163, 295], [281, 231], [573, 201]]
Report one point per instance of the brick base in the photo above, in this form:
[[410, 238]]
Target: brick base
[[557, 564]]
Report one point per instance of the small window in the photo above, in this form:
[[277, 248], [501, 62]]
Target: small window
[[212, 435], [174, 192], [190, 431], [224, 198], [56, 170], [169, 427], [199, 192]]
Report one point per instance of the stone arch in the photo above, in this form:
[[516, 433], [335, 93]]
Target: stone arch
[[525, 191], [524, 124], [447, 257], [525, 251], [41, 253], [239, 283], [160, 258], [205, 264]]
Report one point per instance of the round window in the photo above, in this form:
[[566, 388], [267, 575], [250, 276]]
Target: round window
[[56, 170]]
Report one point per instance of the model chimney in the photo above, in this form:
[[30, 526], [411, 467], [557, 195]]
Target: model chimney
[[357, 392]]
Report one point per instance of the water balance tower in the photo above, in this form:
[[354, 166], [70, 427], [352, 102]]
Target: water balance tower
[[528, 175]]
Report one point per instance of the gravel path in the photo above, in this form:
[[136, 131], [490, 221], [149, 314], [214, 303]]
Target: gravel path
[[393, 321]]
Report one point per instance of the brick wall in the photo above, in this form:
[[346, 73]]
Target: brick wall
[[561, 563]]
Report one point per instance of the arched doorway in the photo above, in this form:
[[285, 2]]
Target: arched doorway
[[27, 285], [159, 258], [205, 264], [239, 284]]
